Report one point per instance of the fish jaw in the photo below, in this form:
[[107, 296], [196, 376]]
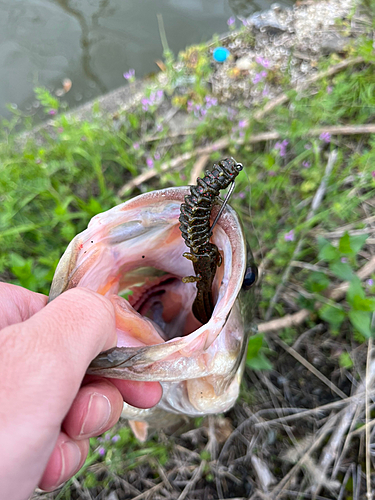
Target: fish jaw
[[198, 365]]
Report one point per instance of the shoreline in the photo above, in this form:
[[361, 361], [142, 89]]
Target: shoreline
[[280, 40]]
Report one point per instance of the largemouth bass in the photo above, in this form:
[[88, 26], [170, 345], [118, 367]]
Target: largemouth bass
[[133, 254]]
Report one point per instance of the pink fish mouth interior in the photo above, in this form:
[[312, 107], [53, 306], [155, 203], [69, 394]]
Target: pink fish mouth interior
[[168, 304]]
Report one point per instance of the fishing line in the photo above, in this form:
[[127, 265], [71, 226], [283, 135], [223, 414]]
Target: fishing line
[[255, 232]]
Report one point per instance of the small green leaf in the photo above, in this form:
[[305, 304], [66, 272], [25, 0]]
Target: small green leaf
[[355, 290], [317, 282], [329, 253], [344, 244], [345, 361], [205, 455], [260, 362], [357, 242], [361, 321], [255, 344], [333, 315], [361, 304], [342, 270], [322, 242]]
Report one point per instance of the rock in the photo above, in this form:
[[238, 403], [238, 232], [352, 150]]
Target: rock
[[267, 21], [333, 42]]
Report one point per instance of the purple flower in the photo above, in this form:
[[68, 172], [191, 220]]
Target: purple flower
[[242, 124], [241, 195], [231, 21], [241, 133], [306, 164], [344, 260], [370, 282], [281, 147], [265, 91], [129, 75], [373, 174], [259, 77], [210, 101], [263, 62], [38, 161], [157, 156], [107, 437], [231, 113], [150, 162], [159, 128], [272, 173], [136, 145], [145, 104], [289, 236], [325, 136], [60, 130], [52, 112], [329, 89], [101, 451], [116, 438]]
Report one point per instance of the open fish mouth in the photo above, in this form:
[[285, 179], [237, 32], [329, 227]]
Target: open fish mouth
[[133, 254]]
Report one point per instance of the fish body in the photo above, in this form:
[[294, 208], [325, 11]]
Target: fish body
[[133, 254]]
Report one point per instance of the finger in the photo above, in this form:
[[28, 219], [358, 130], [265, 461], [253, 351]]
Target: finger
[[66, 459], [96, 408], [139, 394], [18, 304]]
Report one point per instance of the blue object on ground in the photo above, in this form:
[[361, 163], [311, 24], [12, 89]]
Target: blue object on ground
[[221, 54]]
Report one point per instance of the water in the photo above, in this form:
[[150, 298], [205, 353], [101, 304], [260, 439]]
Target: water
[[93, 42]]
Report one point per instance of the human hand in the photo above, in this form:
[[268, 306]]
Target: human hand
[[48, 407]]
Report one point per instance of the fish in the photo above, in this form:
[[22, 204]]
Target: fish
[[133, 254]]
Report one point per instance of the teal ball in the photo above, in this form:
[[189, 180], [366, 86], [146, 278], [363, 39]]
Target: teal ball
[[220, 54]]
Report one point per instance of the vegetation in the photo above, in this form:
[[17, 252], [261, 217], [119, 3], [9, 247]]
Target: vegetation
[[53, 181]]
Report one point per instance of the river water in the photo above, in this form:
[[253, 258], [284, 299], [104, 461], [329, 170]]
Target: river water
[[93, 42]]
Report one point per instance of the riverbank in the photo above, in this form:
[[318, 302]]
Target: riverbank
[[300, 115]]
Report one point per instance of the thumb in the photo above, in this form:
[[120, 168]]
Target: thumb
[[44, 359], [42, 363]]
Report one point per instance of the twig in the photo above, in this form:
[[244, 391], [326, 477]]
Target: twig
[[314, 206], [277, 491], [344, 482], [198, 168], [147, 493], [195, 478], [299, 317], [310, 367], [330, 451], [306, 413]]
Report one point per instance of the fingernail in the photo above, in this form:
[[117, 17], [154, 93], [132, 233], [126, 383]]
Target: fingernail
[[98, 413], [70, 460]]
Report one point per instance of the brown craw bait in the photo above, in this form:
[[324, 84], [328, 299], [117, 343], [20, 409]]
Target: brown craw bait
[[196, 231]]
